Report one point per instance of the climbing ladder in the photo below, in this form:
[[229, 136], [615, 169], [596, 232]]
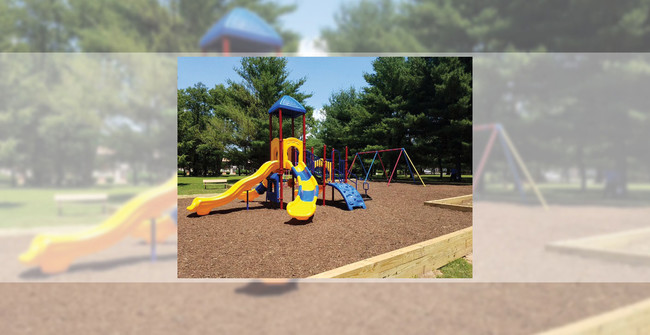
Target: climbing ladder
[[351, 196]]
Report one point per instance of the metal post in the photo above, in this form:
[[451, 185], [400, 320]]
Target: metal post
[[293, 161], [352, 165], [371, 164], [225, 46], [270, 136], [346, 165], [153, 240], [395, 168], [304, 140], [246, 200], [486, 154], [383, 168], [332, 167], [281, 162], [324, 175]]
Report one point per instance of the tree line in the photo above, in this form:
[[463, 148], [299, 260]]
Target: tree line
[[490, 26], [360, 26], [59, 110], [122, 26], [421, 104], [583, 112]]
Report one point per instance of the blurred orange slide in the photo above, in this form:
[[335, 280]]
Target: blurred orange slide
[[55, 253]]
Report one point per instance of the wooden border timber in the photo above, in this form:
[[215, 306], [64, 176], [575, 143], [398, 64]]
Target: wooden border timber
[[452, 203], [410, 261], [632, 319], [614, 247]]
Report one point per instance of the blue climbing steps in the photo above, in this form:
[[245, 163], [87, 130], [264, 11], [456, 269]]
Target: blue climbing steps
[[352, 197]]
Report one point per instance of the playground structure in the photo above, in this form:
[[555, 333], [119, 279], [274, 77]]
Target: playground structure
[[512, 156], [377, 153], [241, 31], [150, 216], [286, 155]]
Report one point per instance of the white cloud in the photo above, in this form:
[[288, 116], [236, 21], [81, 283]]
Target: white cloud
[[312, 46], [319, 114]]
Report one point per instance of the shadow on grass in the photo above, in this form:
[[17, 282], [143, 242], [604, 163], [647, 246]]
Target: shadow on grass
[[7, 204], [102, 266]]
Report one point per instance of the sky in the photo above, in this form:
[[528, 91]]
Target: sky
[[311, 16], [325, 75]]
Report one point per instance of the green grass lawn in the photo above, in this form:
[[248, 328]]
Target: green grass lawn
[[35, 207], [194, 185], [459, 268], [568, 194], [428, 179]]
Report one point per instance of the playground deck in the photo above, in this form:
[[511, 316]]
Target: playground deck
[[234, 243]]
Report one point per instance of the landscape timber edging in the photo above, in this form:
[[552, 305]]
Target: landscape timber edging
[[632, 319], [452, 203], [411, 261]]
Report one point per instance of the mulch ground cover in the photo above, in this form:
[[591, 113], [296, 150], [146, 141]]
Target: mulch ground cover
[[263, 242]]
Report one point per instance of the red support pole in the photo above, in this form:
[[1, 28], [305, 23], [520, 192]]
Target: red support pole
[[281, 163], [225, 46], [395, 168], [346, 165], [324, 176], [293, 161], [270, 136], [352, 165], [486, 154], [304, 140], [382, 166], [372, 152]]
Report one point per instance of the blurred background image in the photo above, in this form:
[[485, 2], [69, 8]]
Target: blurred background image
[[562, 169], [80, 136], [100, 127], [316, 27]]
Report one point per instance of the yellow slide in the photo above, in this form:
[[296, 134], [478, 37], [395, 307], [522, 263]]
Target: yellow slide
[[304, 205], [55, 253], [203, 205]]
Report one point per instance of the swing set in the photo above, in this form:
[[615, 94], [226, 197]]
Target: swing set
[[377, 153], [512, 156]]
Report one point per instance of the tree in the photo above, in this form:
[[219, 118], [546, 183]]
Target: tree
[[265, 80], [119, 26], [493, 25], [421, 104]]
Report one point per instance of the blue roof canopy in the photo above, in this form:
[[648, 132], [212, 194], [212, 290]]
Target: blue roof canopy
[[243, 24], [290, 107]]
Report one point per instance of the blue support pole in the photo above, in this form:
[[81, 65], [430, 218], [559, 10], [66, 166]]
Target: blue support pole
[[370, 168], [246, 200], [361, 162], [153, 240], [513, 167]]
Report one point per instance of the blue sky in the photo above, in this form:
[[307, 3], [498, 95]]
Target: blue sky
[[325, 75], [311, 16]]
